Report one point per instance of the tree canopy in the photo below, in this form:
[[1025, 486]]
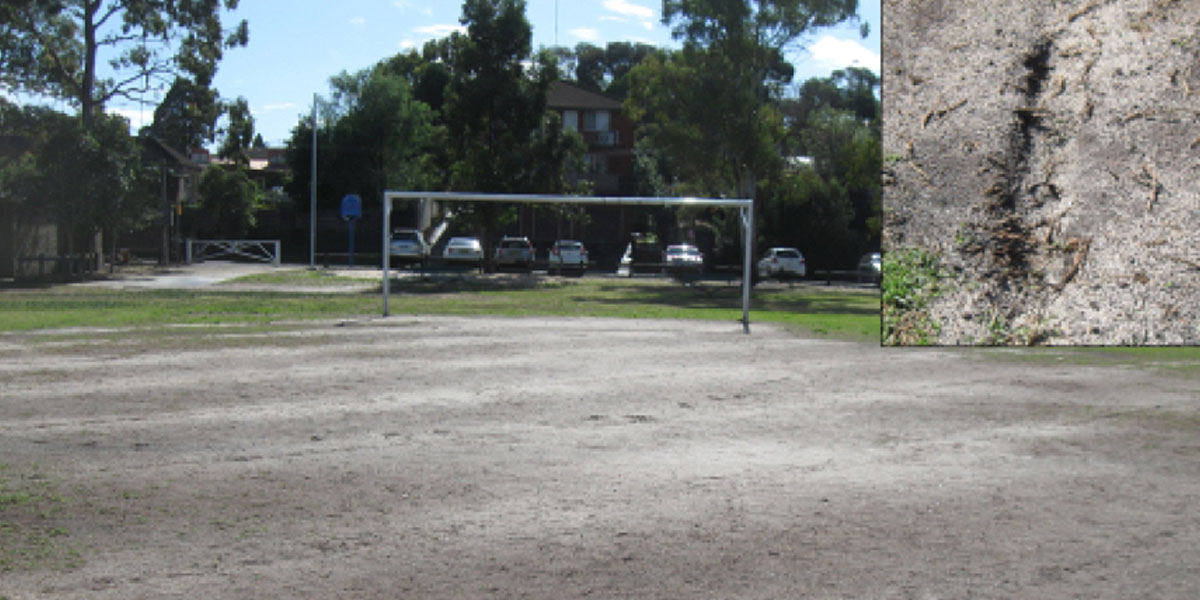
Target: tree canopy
[[55, 47], [466, 113], [83, 179]]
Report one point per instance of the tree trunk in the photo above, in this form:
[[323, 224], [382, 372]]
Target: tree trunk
[[88, 105]]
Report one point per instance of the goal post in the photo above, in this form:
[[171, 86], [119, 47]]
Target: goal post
[[745, 205]]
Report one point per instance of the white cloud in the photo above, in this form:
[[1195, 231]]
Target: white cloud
[[440, 30], [358, 21], [407, 44], [585, 33], [839, 54], [648, 25], [627, 8]]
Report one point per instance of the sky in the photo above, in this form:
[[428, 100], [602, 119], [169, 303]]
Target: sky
[[297, 45]]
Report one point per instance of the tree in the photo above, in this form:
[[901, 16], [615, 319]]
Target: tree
[[187, 116], [829, 205], [239, 131], [712, 108], [53, 47], [733, 58], [501, 138], [229, 200], [853, 90], [377, 136], [85, 181], [89, 180], [714, 139]]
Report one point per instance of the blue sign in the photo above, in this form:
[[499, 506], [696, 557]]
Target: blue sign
[[351, 207]]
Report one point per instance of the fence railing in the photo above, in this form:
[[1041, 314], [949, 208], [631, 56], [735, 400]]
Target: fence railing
[[42, 267], [260, 250]]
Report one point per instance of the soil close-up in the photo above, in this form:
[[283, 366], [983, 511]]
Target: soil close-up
[[1046, 154]]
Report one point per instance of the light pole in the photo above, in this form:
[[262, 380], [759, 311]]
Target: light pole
[[312, 196]]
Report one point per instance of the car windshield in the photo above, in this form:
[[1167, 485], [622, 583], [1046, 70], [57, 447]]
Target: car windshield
[[405, 236], [787, 254], [682, 250], [513, 244], [462, 242], [569, 245]]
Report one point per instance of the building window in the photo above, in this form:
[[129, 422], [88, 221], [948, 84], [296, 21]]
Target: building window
[[596, 164], [595, 120], [570, 120]]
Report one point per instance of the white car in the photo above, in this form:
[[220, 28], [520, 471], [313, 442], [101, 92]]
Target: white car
[[567, 255], [683, 257], [465, 250], [408, 245], [782, 263]]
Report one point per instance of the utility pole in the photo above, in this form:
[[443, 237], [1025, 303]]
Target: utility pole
[[312, 197]]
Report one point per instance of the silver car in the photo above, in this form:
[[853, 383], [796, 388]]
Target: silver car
[[513, 251], [465, 250], [408, 245]]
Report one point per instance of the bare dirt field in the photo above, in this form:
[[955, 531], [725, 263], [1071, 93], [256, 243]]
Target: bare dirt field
[[423, 457]]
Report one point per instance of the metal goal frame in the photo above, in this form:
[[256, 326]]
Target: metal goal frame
[[746, 206]]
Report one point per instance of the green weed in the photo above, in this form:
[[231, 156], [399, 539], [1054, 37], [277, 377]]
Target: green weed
[[911, 279]]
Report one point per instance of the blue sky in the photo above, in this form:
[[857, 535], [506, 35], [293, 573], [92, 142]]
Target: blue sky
[[296, 46]]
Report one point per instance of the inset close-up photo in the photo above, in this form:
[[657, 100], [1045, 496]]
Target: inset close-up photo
[[1041, 172]]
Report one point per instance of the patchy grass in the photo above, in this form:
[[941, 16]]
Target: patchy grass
[[67, 307], [852, 314], [31, 535], [307, 278], [911, 278], [1177, 360]]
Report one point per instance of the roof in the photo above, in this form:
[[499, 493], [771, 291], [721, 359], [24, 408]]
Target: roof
[[266, 159], [565, 95], [164, 154]]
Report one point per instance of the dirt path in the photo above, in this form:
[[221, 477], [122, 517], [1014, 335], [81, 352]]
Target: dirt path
[[557, 458]]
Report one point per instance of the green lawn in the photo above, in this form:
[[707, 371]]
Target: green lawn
[[847, 314], [840, 313]]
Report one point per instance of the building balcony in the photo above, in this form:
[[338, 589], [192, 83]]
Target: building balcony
[[601, 139]]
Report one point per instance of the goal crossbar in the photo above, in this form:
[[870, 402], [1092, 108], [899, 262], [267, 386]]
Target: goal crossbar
[[745, 205]]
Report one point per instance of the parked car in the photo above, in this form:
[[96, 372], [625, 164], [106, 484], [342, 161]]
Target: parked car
[[782, 263], [408, 246], [567, 255], [463, 250], [514, 251], [683, 257], [870, 268]]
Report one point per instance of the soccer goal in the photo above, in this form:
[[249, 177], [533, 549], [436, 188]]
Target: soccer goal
[[745, 205]]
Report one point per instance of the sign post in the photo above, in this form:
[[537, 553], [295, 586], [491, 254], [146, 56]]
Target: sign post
[[351, 212]]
